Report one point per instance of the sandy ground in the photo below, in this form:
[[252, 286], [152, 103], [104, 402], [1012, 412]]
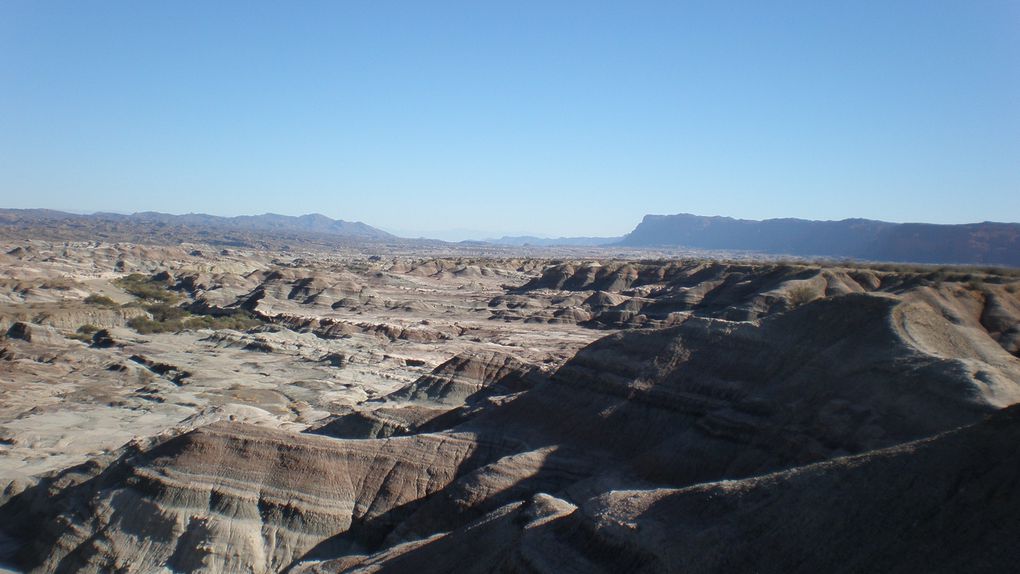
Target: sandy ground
[[63, 400]]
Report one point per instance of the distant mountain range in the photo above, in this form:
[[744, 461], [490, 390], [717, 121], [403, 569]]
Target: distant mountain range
[[249, 228], [973, 243], [984, 243], [523, 240], [313, 223]]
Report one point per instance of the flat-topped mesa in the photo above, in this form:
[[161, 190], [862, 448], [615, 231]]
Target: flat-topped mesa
[[985, 243]]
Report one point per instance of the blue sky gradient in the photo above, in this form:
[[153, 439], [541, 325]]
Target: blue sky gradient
[[551, 118]]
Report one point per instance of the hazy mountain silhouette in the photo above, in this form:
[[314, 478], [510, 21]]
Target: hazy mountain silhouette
[[522, 240], [976, 243], [311, 223]]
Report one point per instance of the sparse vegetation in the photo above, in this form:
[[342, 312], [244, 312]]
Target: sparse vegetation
[[800, 295], [947, 272], [165, 312], [84, 333], [166, 316], [931, 271], [168, 319], [147, 288], [100, 301], [59, 284]]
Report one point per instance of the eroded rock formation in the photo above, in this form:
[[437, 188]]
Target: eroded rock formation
[[763, 417]]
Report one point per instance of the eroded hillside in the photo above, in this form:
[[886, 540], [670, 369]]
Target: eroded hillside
[[233, 411]]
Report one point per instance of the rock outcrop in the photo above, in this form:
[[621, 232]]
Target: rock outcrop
[[753, 407], [438, 399], [232, 498], [986, 243], [618, 294], [594, 469], [944, 504]]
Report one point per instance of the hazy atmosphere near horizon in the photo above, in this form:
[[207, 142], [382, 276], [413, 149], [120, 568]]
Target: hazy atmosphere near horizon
[[464, 119]]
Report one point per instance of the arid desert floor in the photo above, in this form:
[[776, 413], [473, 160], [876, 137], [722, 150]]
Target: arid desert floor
[[191, 408]]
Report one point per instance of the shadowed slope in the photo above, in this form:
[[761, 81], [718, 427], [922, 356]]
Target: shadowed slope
[[944, 504], [713, 398], [700, 402]]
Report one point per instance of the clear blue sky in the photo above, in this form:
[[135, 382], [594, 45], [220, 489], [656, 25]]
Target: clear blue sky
[[556, 118]]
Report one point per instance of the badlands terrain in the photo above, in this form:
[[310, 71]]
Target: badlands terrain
[[189, 407]]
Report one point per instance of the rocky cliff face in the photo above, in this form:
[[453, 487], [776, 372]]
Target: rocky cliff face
[[977, 243]]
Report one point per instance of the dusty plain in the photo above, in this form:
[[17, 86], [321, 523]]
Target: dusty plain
[[344, 329]]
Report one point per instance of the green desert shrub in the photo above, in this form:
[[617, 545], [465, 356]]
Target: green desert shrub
[[163, 312], [238, 321], [169, 319], [84, 333], [100, 301], [145, 325], [145, 287], [800, 295]]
